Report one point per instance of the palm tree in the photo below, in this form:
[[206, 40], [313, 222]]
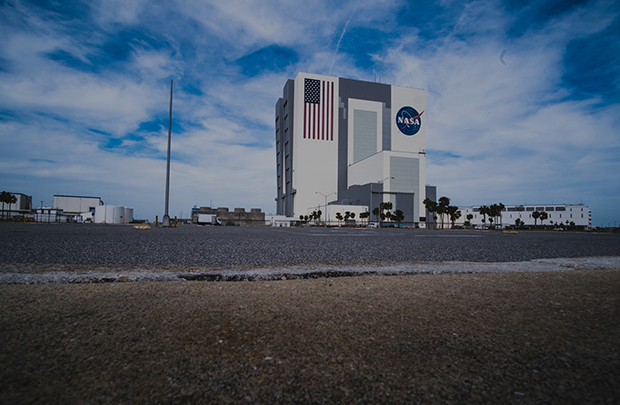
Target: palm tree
[[364, 215], [454, 214], [431, 207], [444, 203], [441, 210], [501, 208], [4, 198], [469, 218], [385, 206], [543, 216], [339, 217], [484, 211], [495, 211], [535, 215], [375, 212], [398, 216], [11, 200]]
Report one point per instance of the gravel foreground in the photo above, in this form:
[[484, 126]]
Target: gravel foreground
[[533, 336]]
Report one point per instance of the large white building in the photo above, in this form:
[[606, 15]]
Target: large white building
[[349, 142]]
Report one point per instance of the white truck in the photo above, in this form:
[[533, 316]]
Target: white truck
[[208, 219]]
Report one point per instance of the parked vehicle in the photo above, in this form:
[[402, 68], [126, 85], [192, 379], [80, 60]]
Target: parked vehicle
[[208, 219]]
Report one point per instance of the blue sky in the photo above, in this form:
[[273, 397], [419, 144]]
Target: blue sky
[[523, 98]]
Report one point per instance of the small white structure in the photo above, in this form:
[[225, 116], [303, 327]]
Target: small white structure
[[113, 214], [279, 221]]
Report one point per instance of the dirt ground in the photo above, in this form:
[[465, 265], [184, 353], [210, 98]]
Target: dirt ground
[[551, 337]]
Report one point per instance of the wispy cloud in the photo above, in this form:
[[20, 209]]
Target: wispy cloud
[[522, 100]]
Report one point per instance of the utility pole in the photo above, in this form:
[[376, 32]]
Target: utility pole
[[166, 220]]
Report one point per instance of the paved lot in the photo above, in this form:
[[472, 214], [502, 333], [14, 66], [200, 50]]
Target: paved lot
[[471, 317], [492, 338], [193, 245]]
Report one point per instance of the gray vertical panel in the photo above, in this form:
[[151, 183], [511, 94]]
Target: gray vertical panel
[[290, 84], [279, 158], [342, 142], [284, 113], [387, 128], [406, 174], [364, 134], [404, 202]]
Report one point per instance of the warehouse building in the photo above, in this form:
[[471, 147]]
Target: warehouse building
[[349, 142], [579, 215], [74, 206]]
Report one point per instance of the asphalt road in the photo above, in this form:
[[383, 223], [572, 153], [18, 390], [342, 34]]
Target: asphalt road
[[192, 245]]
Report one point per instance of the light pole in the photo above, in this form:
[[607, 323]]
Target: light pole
[[324, 195], [166, 220]]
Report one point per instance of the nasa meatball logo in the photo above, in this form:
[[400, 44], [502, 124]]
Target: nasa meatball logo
[[409, 120]]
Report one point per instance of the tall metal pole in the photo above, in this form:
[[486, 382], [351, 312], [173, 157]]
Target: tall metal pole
[[166, 219]]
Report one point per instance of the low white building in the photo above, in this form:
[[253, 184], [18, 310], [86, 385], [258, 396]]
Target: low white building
[[279, 221], [578, 214], [74, 207], [49, 215]]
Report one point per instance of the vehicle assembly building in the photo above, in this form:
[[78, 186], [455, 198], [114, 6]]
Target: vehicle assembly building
[[348, 142]]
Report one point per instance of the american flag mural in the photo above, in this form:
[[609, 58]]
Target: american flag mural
[[319, 109]]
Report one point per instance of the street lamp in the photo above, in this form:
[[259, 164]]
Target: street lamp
[[317, 192]]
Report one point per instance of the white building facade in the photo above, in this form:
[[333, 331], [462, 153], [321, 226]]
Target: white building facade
[[76, 205], [349, 142], [579, 215]]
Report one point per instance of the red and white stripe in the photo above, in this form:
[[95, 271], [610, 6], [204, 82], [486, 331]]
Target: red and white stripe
[[319, 118]]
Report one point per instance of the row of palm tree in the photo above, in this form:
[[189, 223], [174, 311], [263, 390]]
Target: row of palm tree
[[539, 214], [443, 208], [384, 211], [7, 198], [314, 216], [494, 211], [347, 215]]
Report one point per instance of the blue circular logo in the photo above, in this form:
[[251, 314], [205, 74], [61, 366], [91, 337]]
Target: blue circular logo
[[409, 121]]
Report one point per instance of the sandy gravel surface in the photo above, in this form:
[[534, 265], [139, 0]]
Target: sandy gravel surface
[[498, 337]]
